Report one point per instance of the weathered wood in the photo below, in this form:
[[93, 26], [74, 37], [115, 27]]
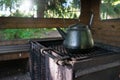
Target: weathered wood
[[14, 48], [12, 56], [106, 31], [23, 41], [10, 50], [12, 22], [14, 42], [85, 11]]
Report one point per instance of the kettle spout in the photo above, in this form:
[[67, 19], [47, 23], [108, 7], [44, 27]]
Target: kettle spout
[[63, 34]]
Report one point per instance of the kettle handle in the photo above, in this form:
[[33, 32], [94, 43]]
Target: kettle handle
[[91, 20]]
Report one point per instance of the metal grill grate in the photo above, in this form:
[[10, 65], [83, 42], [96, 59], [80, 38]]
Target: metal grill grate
[[55, 50], [59, 49]]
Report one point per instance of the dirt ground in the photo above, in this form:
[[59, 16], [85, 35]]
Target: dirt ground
[[14, 70], [20, 76]]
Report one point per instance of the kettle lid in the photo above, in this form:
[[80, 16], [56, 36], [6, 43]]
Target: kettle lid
[[77, 26]]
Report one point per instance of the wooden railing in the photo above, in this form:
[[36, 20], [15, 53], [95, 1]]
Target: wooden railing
[[15, 49]]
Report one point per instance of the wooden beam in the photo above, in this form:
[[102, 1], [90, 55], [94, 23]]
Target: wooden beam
[[13, 56], [14, 48], [85, 11], [14, 22], [14, 42], [24, 41]]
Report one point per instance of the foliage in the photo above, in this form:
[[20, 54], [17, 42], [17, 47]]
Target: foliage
[[11, 8], [63, 9], [10, 34], [110, 9], [8, 5]]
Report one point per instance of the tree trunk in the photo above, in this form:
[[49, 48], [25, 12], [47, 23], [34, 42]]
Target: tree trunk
[[41, 8]]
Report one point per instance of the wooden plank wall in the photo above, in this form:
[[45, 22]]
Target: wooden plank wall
[[14, 56], [106, 31]]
